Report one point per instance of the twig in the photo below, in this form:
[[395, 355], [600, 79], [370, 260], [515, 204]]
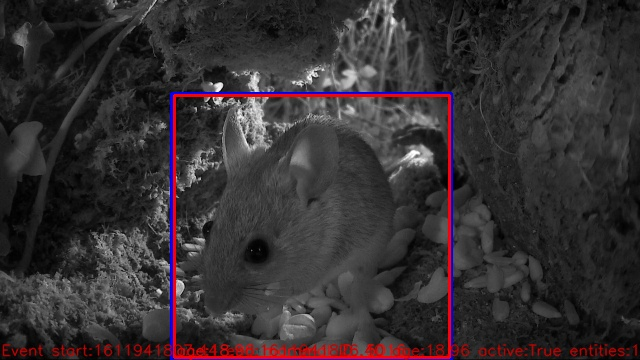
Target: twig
[[489, 131], [90, 40], [74, 24], [38, 206], [450, 28], [33, 105], [542, 13], [374, 123], [2, 29], [586, 179], [335, 84]]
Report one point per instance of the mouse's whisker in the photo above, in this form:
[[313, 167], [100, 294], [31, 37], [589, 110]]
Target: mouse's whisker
[[283, 286], [259, 303], [250, 302], [272, 284], [263, 299], [264, 292], [267, 294]]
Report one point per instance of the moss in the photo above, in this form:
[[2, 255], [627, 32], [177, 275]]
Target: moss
[[288, 39], [53, 310]]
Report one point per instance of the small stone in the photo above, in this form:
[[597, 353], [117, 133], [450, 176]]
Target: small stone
[[571, 313], [545, 310], [495, 279], [500, 310], [535, 269], [436, 289]]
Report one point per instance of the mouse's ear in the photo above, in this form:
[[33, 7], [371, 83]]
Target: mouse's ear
[[314, 161], [234, 144]]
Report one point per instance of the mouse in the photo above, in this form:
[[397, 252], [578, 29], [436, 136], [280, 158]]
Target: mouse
[[294, 215]]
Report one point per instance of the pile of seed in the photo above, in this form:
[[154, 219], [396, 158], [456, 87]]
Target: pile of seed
[[474, 249]]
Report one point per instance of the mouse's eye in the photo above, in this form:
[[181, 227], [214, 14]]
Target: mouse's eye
[[206, 229], [257, 251]]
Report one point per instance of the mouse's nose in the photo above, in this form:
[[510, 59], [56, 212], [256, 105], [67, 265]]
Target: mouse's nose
[[220, 295], [215, 305], [212, 313]]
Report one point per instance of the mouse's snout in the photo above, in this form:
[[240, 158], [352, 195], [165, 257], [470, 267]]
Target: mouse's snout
[[213, 311], [216, 304]]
